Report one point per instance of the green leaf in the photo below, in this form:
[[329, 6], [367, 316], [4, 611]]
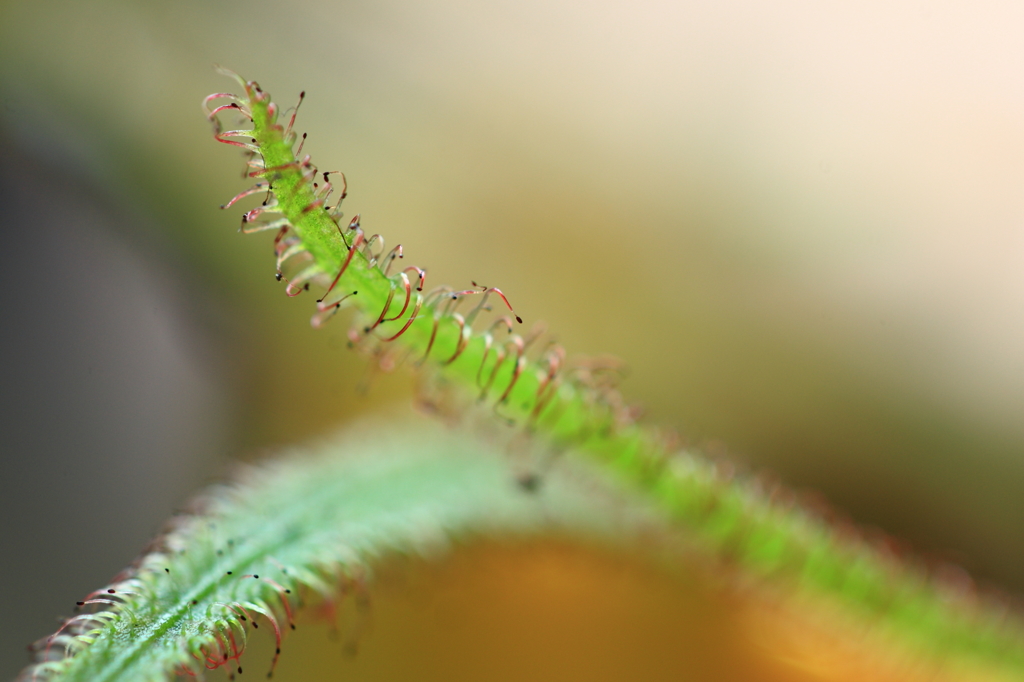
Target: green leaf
[[307, 525]]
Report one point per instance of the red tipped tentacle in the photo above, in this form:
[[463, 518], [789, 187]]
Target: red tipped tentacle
[[348, 259], [517, 369], [283, 241], [224, 71], [437, 293], [464, 333], [255, 189], [328, 183], [548, 385], [116, 590], [77, 625], [488, 340], [384, 310], [328, 189], [263, 170], [430, 343], [287, 248], [336, 212], [408, 294], [300, 282], [389, 259], [241, 101], [295, 112], [451, 304], [353, 224], [253, 214], [499, 360], [421, 273], [237, 133], [282, 593], [371, 257], [269, 615], [408, 322], [301, 143], [272, 114], [323, 314], [234, 106], [488, 337], [106, 602], [505, 299], [482, 305], [313, 205], [279, 224], [484, 290]]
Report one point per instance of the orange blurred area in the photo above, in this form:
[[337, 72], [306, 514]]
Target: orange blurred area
[[551, 610]]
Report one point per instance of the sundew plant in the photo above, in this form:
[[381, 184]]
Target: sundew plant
[[562, 449]]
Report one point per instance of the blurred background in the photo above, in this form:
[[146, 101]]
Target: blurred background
[[801, 225]]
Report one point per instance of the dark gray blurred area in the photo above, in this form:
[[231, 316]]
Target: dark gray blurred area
[[111, 414]]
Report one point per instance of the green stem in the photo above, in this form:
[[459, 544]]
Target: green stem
[[576, 412]]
